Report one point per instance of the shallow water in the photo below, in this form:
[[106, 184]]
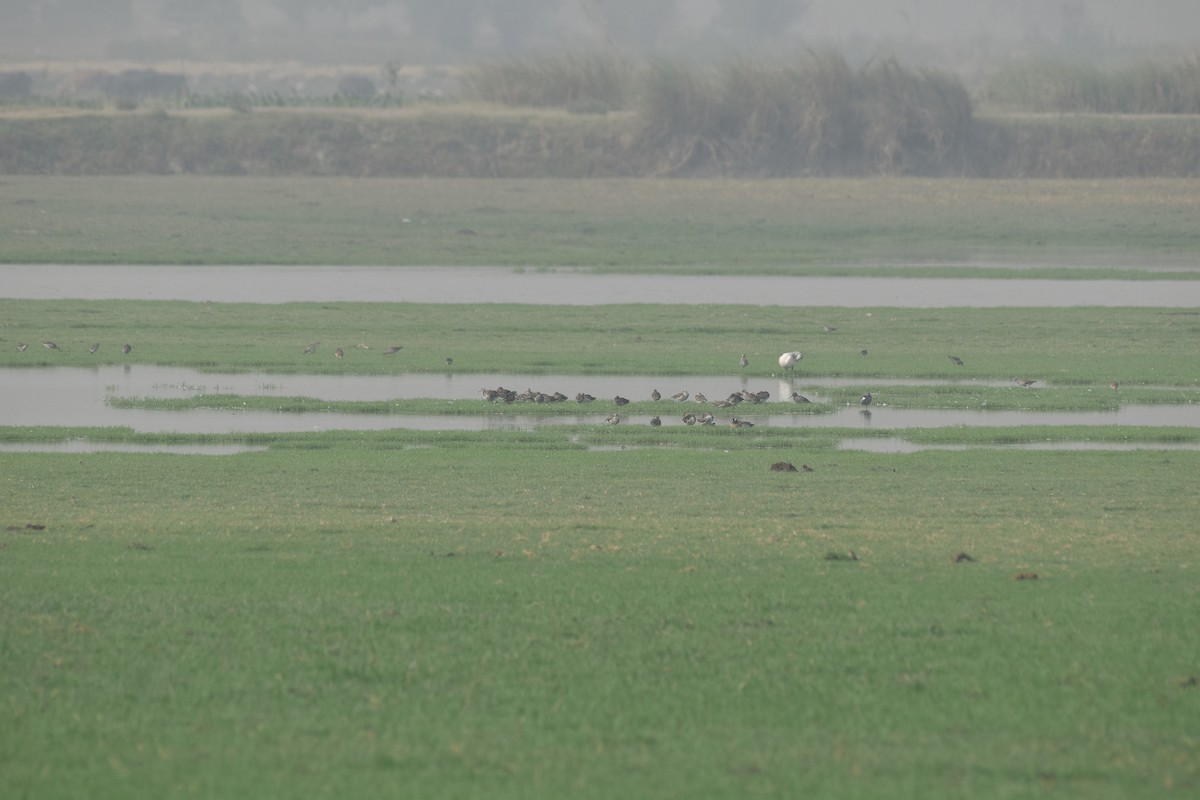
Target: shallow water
[[272, 284], [86, 446], [893, 445], [76, 396]]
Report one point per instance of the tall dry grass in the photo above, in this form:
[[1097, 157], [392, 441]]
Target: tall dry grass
[[582, 82], [817, 115], [1147, 87]]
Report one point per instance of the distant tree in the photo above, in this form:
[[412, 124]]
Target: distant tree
[[636, 24], [520, 22], [758, 18], [450, 24], [213, 14]]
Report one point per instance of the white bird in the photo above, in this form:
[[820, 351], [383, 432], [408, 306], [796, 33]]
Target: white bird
[[789, 360]]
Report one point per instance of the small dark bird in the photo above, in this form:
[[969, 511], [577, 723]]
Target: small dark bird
[[393, 349], [961, 557], [700, 398], [125, 348], [865, 400], [956, 360], [799, 398], [806, 468], [94, 348], [49, 345], [583, 398], [783, 466], [621, 401], [863, 352], [338, 352], [312, 347], [1025, 576], [449, 361], [743, 361], [21, 347], [655, 395], [1114, 386], [655, 421], [740, 423]]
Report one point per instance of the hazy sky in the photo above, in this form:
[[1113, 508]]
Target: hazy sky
[[1136, 22], [327, 29]]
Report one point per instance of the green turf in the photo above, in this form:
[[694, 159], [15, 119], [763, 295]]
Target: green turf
[[879, 226], [362, 619], [1091, 346]]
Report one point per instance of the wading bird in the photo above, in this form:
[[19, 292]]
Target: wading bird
[[956, 360], [680, 396], [393, 349], [49, 345], [1114, 386], [790, 360], [613, 419], [339, 353], [689, 419], [799, 398], [312, 347], [584, 398], [656, 395], [94, 348], [1024, 382], [655, 421], [700, 398], [125, 348], [21, 347], [621, 401], [743, 361], [866, 399], [740, 423]]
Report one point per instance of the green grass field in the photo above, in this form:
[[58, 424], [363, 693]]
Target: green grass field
[[357, 617], [593, 611], [892, 226]]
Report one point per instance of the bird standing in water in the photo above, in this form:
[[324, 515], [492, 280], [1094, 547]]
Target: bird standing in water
[[125, 348], [865, 400], [790, 360], [743, 361]]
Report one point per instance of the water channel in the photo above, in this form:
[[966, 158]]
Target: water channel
[[268, 284], [77, 396]]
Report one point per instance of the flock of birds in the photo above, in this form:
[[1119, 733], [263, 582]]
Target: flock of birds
[[787, 361], [49, 345]]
